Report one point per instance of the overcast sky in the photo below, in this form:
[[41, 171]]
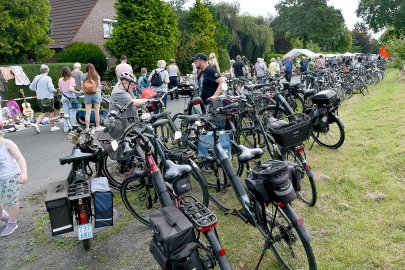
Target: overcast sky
[[264, 7]]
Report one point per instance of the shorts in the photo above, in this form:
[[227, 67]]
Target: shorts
[[92, 98], [46, 105], [9, 190]]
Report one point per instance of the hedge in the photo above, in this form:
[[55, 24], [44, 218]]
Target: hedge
[[31, 70]]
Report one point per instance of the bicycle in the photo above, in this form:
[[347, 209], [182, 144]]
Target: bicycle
[[280, 226], [166, 195]]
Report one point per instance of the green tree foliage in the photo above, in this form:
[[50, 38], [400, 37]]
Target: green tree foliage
[[360, 33], [379, 14], [146, 31], [198, 36], [396, 47], [250, 36], [313, 20], [24, 29], [84, 53]]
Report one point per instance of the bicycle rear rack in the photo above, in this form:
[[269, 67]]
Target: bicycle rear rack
[[199, 215], [79, 190]]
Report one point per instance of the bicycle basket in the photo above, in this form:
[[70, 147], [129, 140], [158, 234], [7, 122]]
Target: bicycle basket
[[290, 133]]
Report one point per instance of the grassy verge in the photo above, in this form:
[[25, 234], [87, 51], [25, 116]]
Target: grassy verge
[[359, 219]]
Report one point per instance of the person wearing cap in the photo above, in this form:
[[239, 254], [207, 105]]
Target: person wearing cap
[[77, 74], [123, 67], [174, 77], [212, 83], [43, 86], [13, 173]]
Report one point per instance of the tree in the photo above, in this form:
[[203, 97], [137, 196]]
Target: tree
[[360, 33], [198, 35], [146, 31], [379, 14], [396, 47], [312, 20], [24, 29]]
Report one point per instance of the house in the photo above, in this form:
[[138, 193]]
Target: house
[[81, 20]]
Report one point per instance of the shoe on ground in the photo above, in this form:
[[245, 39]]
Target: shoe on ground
[[36, 128], [55, 128], [4, 217], [9, 229], [99, 128]]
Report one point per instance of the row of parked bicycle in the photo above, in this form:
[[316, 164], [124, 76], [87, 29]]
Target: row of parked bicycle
[[169, 169]]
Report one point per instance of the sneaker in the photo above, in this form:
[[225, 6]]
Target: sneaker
[[4, 218], [55, 128], [36, 128], [99, 128], [9, 229]]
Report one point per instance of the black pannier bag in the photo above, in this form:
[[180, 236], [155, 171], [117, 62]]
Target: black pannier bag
[[325, 97], [296, 174], [173, 245], [102, 202], [59, 209], [271, 182]]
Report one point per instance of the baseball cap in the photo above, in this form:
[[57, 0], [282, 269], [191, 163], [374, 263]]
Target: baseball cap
[[43, 67], [200, 56]]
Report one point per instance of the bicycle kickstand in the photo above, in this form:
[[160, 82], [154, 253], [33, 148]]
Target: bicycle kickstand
[[265, 248]]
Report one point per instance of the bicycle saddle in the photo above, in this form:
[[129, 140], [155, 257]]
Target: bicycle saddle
[[309, 92], [159, 123], [159, 115], [247, 154], [175, 170], [76, 155], [190, 118]]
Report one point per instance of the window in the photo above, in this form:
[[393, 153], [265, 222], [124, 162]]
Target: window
[[108, 26]]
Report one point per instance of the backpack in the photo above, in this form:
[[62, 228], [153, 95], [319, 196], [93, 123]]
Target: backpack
[[144, 82], [89, 86], [156, 78], [14, 108]]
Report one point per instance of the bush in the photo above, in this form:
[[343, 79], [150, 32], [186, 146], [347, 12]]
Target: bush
[[223, 59], [268, 56], [84, 53], [31, 70]]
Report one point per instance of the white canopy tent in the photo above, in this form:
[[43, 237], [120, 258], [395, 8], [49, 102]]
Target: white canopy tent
[[295, 52], [348, 54]]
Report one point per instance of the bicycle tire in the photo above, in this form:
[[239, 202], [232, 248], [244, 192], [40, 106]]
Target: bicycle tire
[[219, 188], [292, 252], [308, 193], [177, 122], [332, 119], [133, 203]]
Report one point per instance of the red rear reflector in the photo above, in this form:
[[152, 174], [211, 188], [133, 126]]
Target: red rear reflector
[[308, 167], [206, 229], [221, 252], [281, 205], [83, 218], [229, 117], [299, 150], [300, 222]]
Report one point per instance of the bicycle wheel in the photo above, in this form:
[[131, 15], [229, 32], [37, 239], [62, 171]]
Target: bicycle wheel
[[219, 188], [139, 197], [270, 112], [296, 103], [332, 137], [180, 125], [341, 93], [287, 241], [117, 171], [308, 193]]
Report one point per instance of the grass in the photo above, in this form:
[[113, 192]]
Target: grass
[[359, 219]]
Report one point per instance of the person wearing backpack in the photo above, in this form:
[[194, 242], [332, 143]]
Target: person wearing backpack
[[43, 86], [92, 95], [159, 79]]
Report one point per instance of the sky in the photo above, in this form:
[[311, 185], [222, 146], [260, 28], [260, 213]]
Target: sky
[[265, 7]]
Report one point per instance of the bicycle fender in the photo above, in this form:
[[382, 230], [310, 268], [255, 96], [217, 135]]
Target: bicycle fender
[[297, 222], [337, 118]]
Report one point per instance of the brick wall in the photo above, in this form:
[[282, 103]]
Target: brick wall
[[92, 28]]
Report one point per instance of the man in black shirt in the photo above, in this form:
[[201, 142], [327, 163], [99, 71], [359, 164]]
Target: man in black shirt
[[212, 82], [239, 67]]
